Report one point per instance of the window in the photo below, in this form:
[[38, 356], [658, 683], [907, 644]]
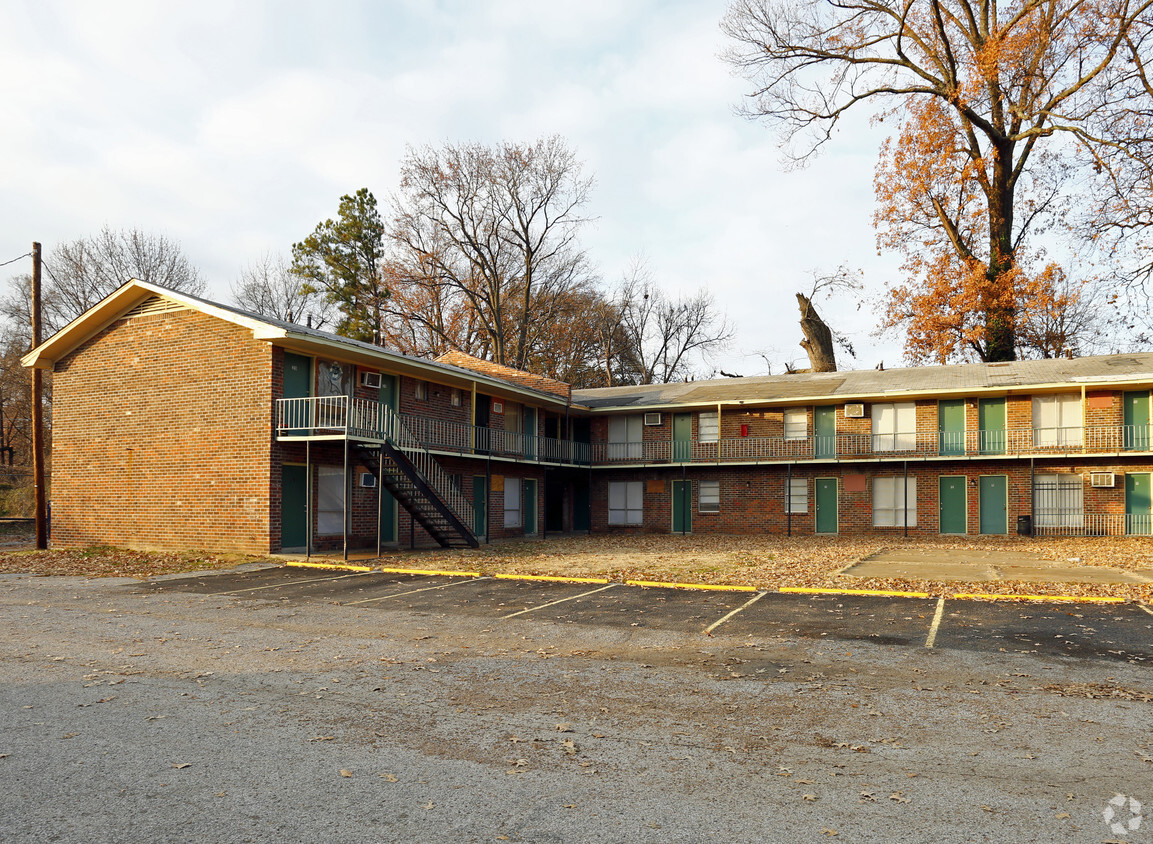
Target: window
[[626, 502], [707, 427], [895, 426], [455, 397], [422, 390], [894, 502], [1058, 501], [797, 495], [512, 515], [1056, 420], [796, 423], [709, 497], [625, 434], [330, 500]]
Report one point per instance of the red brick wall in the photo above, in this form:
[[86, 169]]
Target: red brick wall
[[162, 428]]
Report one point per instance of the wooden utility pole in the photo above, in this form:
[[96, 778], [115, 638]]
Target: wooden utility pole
[[38, 412]]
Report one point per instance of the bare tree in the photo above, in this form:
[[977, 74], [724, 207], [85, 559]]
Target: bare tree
[[486, 242], [1000, 109], [820, 340], [666, 336], [268, 287], [83, 272]]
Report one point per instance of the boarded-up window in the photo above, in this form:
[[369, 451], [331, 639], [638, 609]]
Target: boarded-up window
[[709, 497], [1057, 420], [894, 426], [625, 435], [797, 495], [708, 429], [796, 423], [894, 502], [512, 505]]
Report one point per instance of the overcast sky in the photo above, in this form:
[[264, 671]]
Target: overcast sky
[[235, 127]]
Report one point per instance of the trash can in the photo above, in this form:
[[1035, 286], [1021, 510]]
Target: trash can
[[1025, 525]]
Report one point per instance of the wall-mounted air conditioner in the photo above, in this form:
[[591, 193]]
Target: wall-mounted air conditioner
[[854, 411], [370, 380], [1102, 480], [367, 480], [652, 419]]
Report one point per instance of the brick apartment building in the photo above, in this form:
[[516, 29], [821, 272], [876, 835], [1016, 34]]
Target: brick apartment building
[[182, 423]]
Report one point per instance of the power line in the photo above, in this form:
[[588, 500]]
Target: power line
[[17, 258]]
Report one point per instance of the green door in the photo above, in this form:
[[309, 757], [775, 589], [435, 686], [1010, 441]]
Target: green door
[[1137, 504], [952, 501], [824, 432], [991, 421], [994, 504], [682, 506], [479, 505], [297, 385], [1137, 421], [528, 493], [951, 427], [826, 495], [682, 437], [528, 420], [293, 507]]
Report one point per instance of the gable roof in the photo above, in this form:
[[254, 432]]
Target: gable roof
[[507, 373], [973, 378], [138, 294]]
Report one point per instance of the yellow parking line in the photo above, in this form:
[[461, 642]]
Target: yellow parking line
[[662, 585], [1076, 598], [336, 566], [548, 578], [937, 616], [431, 572], [813, 590]]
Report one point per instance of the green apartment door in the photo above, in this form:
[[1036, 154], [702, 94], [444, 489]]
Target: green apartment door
[[952, 503], [993, 504], [991, 421], [826, 500], [951, 425], [682, 437], [824, 432], [1136, 437], [682, 506], [1137, 504], [390, 398], [297, 385], [293, 507]]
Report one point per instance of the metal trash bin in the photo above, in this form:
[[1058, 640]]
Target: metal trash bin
[[1025, 525]]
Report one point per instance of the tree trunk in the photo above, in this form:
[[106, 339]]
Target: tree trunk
[[818, 342]]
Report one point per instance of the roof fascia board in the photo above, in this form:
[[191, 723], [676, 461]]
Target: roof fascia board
[[749, 404]]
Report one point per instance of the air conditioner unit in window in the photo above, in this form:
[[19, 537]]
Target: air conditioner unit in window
[[652, 419], [370, 380], [854, 411], [1102, 480], [367, 479]]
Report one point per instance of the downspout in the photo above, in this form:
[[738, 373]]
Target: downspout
[[1033, 497], [347, 495], [789, 500], [379, 499]]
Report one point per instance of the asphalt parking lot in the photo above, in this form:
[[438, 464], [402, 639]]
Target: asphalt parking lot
[[1106, 632]]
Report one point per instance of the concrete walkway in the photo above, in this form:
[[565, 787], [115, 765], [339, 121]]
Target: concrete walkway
[[973, 565]]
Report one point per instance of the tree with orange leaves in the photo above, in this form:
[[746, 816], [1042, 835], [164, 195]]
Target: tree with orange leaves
[[1001, 108]]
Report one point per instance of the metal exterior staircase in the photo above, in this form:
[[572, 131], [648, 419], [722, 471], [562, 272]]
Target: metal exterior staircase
[[408, 470], [400, 476]]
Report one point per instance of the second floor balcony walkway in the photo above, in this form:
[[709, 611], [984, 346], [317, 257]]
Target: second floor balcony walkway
[[337, 417]]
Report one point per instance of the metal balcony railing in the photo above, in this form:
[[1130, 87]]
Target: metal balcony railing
[[339, 415]]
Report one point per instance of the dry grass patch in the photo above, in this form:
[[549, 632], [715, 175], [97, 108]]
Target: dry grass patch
[[115, 562]]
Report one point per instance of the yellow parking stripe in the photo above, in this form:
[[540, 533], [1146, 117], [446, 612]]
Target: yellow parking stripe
[[813, 590], [662, 585], [1075, 598], [548, 578], [336, 566]]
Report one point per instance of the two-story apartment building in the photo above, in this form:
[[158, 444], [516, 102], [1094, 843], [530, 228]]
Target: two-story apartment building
[[179, 422]]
